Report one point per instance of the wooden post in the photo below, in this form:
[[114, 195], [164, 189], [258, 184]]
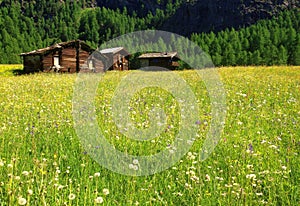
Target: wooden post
[[77, 46]]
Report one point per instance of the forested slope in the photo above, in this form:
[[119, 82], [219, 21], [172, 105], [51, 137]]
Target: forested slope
[[28, 25]]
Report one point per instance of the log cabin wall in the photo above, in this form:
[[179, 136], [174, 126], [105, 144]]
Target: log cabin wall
[[161, 62], [69, 56], [120, 61], [125, 63], [83, 58], [47, 60], [68, 59]]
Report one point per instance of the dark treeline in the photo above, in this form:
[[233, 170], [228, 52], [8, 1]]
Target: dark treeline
[[27, 25], [268, 42]]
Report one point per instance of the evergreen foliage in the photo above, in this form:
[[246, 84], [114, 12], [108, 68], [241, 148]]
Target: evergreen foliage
[[27, 25]]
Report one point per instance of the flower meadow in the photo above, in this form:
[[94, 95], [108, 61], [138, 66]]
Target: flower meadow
[[256, 161]]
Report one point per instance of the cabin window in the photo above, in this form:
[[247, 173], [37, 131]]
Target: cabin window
[[56, 61], [91, 64]]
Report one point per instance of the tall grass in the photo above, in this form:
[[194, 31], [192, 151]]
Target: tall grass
[[256, 162]]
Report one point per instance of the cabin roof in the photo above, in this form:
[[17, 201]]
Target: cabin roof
[[158, 55], [57, 46], [111, 50]]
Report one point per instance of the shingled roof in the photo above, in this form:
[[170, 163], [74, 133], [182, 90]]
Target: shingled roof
[[111, 50], [159, 55], [57, 46]]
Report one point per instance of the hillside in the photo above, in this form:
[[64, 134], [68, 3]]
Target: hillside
[[196, 16], [28, 25], [217, 15]]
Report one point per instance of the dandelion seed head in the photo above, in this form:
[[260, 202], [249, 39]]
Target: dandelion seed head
[[22, 201], [98, 200], [72, 196], [135, 161], [207, 177], [97, 174], [29, 192], [105, 191]]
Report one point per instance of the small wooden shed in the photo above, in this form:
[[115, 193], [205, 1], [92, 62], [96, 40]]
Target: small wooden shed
[[118, 58], [167, 60], [72, 56]]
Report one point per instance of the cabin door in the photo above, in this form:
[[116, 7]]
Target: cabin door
[[56, 61]]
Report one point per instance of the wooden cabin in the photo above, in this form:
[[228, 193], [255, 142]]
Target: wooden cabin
[[118, 58], [167, 60], [72, 56]]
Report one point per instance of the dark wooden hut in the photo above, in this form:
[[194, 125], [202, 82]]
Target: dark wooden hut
[[72, 56], [118, 58], [167, 60]]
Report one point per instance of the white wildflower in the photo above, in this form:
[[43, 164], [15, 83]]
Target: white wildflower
[[98, 200], [135, 161], [72, 196], [105, 191], [97, 174], [22, 201], [207, 177]]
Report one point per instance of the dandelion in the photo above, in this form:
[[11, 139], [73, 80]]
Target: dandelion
[[72, 196], [249, 166], [251, 176], [60, 187], [98, 200], [187, 186], [191, 156], [195, 178], [105, 191], [97, 174], [135, 161], [1, 164], [22, 201], [29, 192], [220, 178], [207, 177], [135, 167], [284, 167], [9, 165]]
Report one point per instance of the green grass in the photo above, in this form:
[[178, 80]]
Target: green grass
[[10, 69], [255, 163]]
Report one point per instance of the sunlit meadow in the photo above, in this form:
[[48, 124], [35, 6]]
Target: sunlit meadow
[[255, 163]]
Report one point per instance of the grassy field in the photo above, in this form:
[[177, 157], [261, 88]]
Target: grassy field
[[256, 161]]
